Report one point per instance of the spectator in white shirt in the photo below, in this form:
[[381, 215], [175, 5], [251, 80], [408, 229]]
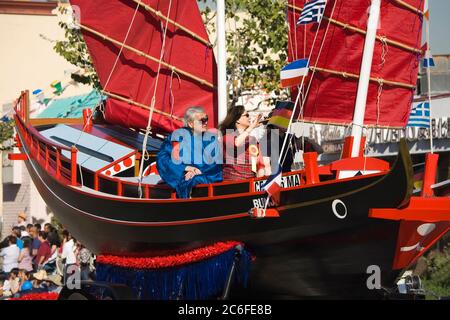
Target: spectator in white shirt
[[10, 255], [68, 253]]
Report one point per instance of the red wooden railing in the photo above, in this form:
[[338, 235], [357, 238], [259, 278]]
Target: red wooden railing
[[49, 155], [46, 152]]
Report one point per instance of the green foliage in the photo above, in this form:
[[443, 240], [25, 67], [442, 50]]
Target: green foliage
[[74, 50], [257, 46], [437, 276], [6, 133], [256, 49]]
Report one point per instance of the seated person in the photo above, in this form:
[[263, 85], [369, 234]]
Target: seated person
[[190, 155], [241, 151]]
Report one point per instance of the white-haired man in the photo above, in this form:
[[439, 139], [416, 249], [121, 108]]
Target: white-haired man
[[190, 155]]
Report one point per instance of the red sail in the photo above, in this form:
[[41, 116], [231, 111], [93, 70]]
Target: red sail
[[187, 79], [332, 93]]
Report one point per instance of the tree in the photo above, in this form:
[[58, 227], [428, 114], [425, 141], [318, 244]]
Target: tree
[[437, 277], [257, 48], [74, 50], [6, 133]]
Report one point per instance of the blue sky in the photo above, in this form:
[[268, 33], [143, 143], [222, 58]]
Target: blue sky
[[440, 26]]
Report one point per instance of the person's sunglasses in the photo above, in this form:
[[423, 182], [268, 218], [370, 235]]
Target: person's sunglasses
[[204, 120]]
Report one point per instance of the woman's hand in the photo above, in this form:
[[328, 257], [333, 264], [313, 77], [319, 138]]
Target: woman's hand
[[193, 169], [191, 172], [255, 123]]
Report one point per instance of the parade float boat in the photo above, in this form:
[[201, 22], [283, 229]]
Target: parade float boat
[[333, 222]]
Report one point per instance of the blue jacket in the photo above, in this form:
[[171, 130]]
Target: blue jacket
[[201, 151]]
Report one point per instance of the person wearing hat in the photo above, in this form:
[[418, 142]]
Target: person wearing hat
[[42, 276], [21, 220]]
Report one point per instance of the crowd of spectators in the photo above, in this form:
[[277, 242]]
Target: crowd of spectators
[[40, 260]]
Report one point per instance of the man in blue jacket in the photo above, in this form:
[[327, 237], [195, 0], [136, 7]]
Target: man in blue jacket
[[191, 155]]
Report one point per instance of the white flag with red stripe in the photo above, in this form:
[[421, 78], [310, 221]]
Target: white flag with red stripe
[[273, 186]]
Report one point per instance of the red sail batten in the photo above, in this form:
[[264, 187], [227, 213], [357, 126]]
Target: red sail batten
[[331, 97], [134, 75]]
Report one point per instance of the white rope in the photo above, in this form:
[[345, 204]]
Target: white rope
[[288, 131], [384, 52], [89, 119], [295, 36], [380, 91], [152, 106], [318, 56], [172, 97], [112, 69]]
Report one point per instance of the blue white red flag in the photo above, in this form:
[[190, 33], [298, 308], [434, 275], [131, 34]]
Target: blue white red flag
[[428, 60], [293, 73], [420, 116], [273, 186], [312, 12]]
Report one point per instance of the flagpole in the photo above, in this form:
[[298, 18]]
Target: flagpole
[[364, 76], [221, 62], [427, 34]]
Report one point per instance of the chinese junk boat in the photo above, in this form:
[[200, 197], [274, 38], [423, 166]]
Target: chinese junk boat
[[154, 60]]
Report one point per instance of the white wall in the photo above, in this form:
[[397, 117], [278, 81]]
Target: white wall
[[27, 61]]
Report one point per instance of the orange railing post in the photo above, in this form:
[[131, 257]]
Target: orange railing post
[[47, 157], [147, 191], [429, 177], [73, 166], [26, 105], [311, 167], [119, 188], [38, 151], [210, 191], [251, 187], [96, 181], [58, 163]]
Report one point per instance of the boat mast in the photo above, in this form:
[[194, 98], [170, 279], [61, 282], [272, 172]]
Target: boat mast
[[427, 37], [364, 76], [221, 61]]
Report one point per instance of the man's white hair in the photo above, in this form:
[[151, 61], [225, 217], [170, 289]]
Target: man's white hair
[[190, 112]]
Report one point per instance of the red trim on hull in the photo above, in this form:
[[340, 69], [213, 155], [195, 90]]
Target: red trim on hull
[[418, 209], [17, 156]]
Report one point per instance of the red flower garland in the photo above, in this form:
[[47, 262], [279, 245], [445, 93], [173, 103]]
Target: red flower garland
[[168, 261], [38, 296]]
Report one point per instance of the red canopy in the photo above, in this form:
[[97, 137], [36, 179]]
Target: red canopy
[[332, 96], [188, 60]]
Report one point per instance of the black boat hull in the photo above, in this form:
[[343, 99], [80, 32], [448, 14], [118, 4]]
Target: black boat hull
[[320, 246]]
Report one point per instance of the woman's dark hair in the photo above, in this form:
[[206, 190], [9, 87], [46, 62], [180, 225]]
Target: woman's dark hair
[[233, 115], [27, 244], [66, 234], [12, 239], [43, 235], [38, 226], [14, 271]]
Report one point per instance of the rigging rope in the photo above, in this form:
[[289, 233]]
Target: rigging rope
[[317, 60], [107, 82], [295, 36], [288, 131], [153, 101], [384, 53]]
